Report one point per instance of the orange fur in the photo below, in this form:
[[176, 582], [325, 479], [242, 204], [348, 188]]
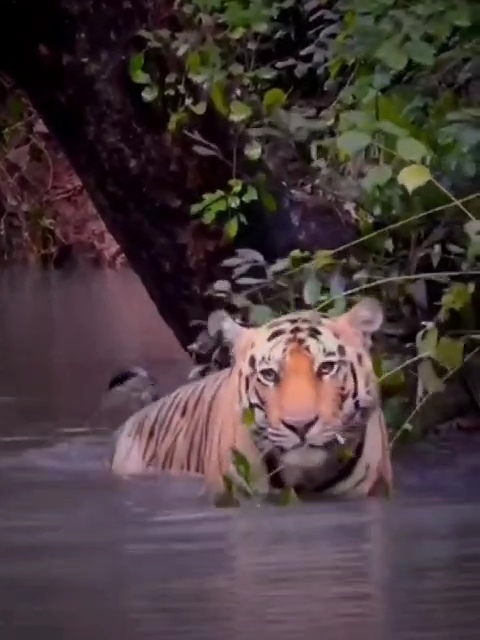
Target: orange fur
[[300, 392]]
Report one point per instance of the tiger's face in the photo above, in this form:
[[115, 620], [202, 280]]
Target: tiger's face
[[308, 381]]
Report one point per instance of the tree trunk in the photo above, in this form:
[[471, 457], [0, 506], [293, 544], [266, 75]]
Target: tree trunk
[[71, 57]]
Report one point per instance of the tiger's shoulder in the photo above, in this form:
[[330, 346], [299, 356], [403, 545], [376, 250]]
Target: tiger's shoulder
[[190, 430]]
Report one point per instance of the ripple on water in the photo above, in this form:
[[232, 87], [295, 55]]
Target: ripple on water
[[97, 556]]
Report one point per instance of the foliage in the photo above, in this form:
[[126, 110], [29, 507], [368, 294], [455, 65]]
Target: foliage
[[418, 337], [227, 201], [43, 206], [407, 96], [25, 167]]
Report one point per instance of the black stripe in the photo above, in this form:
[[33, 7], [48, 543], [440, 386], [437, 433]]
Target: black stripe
[[170, 452], [272, 464], [343, 473], [355, 380], [193, 451], [362, 479], [196, 402], [148, 440], [163, 428], [276, 334], [211, 402], [258, 398], [202, 447]]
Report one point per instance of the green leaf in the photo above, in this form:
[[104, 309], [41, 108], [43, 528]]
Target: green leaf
[[266, 73], [312, 290], [457, 296], [391, 377], [411, 150], [324, 258], [273, 99], [426, 341], [241, 465], [267, 199], [253, 150], [233, 202], [344, 454], [135, 69], [217, 96], [250, 194], [391, 128], [352, 142], [231, 227], [203, 151], [177, 121], [449, 353], [199, 108], [260, 27], [420, 52], [376, 176], [209, 216], [472, 229], [392, 55], [259, 314], [298, 257], [237, 33], [339, 306], [236, 185], [248, 417], [473, 251], [150, 93], [237, 69], [429, 378], [239, 111], [193, 62], [460, 16], [393, 410], [198, 207], [287, 497], [227, 497], [407, 428], [414, 176]]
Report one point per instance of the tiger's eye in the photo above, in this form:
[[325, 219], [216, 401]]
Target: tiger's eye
[[326, 367], [269, 374]]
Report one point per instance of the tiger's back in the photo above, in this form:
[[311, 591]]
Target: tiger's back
[[191, 430]]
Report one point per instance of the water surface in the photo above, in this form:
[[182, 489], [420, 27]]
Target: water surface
[[89, 556]]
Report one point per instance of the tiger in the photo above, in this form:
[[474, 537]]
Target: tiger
[[307, 382]]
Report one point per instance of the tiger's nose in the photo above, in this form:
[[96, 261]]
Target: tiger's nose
[[300, 425]]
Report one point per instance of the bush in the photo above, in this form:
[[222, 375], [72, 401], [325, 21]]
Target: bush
[[374, 101]]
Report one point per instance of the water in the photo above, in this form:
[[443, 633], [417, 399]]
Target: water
[[89, 556]]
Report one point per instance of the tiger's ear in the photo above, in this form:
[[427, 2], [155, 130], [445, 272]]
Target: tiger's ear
[[366, 316]]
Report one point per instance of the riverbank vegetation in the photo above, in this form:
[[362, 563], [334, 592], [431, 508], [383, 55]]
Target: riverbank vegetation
[[46, 215]]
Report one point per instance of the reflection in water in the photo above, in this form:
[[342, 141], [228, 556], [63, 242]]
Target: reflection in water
[[87, 555]]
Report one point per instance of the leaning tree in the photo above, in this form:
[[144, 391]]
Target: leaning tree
[[72, 59]]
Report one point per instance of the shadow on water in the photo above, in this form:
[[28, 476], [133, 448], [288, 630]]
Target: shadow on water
[[88, 556]]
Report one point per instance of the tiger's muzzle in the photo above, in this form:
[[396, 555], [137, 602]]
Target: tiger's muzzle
[[300, 426]]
